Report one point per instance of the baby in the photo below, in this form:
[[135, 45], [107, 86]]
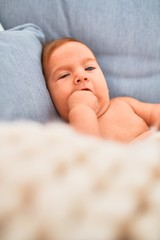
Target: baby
[[80, 94]]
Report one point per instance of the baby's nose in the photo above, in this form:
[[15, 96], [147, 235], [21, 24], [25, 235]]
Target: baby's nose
[[81, 79]]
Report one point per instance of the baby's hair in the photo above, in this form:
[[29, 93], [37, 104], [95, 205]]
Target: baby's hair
[[50, 47]]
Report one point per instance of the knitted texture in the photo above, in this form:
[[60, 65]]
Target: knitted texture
[[56, 184]]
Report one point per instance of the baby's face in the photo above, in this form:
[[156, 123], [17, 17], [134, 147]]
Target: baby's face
[[73, 67]]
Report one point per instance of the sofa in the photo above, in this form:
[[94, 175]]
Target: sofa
[[56, 183], [124, 36]]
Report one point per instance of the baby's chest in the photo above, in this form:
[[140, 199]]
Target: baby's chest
[[121, 123]]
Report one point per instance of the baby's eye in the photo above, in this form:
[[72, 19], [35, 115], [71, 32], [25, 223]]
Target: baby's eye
[[64, 76], [89, 68]]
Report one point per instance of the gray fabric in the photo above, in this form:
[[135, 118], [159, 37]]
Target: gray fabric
[[124, 35], [23, 94]]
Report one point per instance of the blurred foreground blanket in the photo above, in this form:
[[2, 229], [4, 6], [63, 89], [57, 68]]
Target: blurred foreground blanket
[[56, 184]]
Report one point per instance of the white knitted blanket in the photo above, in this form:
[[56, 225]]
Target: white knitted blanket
[[56, 184]]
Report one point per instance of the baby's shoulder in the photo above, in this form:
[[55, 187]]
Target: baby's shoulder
[[121, 100], [125, 103], [124, 100]]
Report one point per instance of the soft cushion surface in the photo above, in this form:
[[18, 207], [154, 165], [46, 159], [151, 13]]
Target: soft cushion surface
[[124, 35], [23, 93]]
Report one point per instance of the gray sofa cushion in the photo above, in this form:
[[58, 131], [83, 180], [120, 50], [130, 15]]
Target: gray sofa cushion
[[23, 94]]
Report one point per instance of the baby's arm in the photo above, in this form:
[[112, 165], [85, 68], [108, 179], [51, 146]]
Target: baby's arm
[[148, 111], [82, 112]]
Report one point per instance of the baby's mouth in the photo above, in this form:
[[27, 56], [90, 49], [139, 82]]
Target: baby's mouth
[[86, 89]]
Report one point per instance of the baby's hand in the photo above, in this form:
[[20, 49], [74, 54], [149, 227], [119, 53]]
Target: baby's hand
[[83, 97]]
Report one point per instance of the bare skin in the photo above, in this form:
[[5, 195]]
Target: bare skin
[[81, 96]]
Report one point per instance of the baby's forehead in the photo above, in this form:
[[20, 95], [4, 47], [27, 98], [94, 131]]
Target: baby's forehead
[[72, 49], [77, 45]]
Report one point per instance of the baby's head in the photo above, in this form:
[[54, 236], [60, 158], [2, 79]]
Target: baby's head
[[69, 66], [49, 48]]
